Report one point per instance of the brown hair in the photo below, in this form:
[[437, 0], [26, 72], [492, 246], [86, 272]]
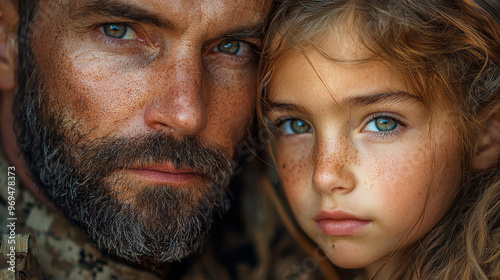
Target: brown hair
[[450, 45]]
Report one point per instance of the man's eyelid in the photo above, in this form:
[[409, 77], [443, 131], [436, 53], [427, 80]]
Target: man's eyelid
[[254, 43], [252, 34], [99, 20]]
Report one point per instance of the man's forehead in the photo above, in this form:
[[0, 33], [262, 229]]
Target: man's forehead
[[212, 17], [229, 9]]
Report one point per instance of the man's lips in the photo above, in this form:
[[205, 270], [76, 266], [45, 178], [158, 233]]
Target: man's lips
[[166, 173], [339, 223]]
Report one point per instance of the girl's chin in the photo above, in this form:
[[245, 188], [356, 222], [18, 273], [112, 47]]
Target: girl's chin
[[344, 257]]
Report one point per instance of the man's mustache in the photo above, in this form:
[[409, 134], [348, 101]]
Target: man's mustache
[[106, 155]]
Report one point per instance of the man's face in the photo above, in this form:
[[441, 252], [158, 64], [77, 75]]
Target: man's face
[[134, 108]]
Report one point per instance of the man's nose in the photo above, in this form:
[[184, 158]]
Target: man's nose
[[178, 105], [332, 166]]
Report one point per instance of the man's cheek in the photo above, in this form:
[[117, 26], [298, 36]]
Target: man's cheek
[[97, 96], [230, 113]]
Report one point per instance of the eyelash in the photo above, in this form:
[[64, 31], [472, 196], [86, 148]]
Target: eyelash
[[253, 50], [277, 126], [382, 134], [115, 41], [278, 129]]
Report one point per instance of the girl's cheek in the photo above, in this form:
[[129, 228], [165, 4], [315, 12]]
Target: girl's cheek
[[295, 169], [293, 164]]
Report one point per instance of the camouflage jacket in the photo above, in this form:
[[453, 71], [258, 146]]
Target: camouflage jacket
[[249, 242]]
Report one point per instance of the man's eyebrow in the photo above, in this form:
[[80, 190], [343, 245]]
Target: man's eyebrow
[[118, 8], [382, 97], [252, 31]]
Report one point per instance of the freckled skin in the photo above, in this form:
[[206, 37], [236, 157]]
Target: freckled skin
[[341, 165], [172, 84]]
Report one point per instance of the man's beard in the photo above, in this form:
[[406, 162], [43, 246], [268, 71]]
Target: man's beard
[[86, 178]]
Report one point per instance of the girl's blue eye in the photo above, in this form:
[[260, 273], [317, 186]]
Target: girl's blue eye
[[119, 31], [295, 126], [382, 124]]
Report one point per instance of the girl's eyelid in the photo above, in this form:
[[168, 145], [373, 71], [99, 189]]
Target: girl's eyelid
[[275, 115], [279, 121]]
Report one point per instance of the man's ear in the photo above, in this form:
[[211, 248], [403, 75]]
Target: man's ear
[[488, 152], [8, 32]]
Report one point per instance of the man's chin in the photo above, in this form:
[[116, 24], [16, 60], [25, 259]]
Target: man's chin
[[139, 221], [153, 223]]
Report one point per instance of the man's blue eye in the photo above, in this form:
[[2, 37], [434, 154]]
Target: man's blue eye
[[382, 124], [233, 47], [295, 126], [118, 31]]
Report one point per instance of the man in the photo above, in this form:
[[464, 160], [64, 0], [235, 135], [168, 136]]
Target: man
[[125, 120]]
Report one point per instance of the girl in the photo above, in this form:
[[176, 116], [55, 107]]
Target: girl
[[386, 118]]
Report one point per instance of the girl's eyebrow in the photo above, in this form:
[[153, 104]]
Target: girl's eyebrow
[[355, 101], [382, 97], [286, 107]]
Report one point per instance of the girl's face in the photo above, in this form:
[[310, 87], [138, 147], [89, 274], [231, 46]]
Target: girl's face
[[365, 165]]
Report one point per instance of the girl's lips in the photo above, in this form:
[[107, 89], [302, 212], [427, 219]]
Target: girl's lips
[[343, 227], [339, 223]]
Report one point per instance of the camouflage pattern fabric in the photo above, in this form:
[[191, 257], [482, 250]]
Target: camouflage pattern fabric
[[249, 242], [21, 258], [64, 252]]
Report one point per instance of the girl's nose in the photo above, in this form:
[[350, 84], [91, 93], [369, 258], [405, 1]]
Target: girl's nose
[[332, 168]]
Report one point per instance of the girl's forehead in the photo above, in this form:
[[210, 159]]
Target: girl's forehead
[[344, 40], [342, 66], [344, 45], [339, 48], [340, 44], [305, 77]]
